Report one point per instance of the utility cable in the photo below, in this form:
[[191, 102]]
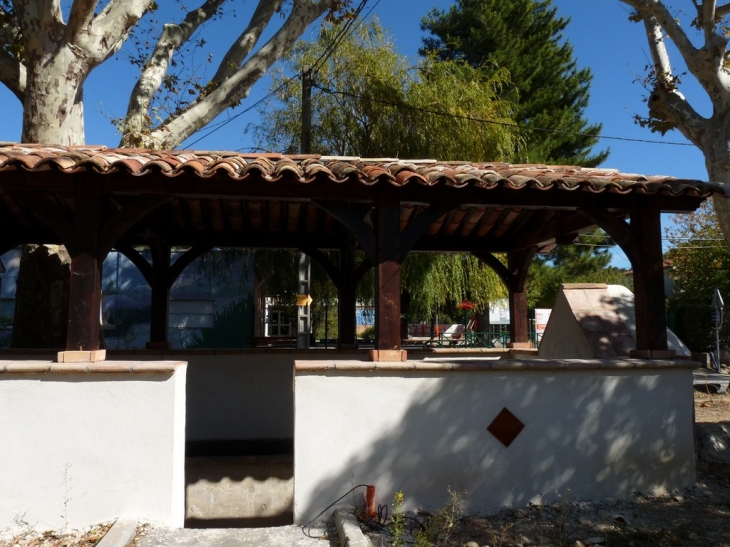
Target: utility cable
[[219, 125], [322, 59], [492, 122], [308, 525], [339, 37]]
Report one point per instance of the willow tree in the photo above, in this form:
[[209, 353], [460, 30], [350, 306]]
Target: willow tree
[[700, 36], [371, 102]]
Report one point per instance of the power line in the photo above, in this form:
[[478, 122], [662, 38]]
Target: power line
[[340, 36], [222, 124], [322, 59], [493, 122]]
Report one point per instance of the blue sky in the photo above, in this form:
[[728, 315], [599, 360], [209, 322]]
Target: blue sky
[[603, 40]]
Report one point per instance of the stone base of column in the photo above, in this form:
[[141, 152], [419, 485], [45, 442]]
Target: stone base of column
[[81, 356], [519, 345], [388, 355]]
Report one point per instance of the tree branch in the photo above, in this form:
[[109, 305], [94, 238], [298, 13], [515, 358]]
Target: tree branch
[[722, 11], [247, 40], [109, 29], [657, 10], [666, 103], [174, 131], [79, 19], [38, 21], [672, 107], [173, 36], [705, 64], [708, 19], [13, 74], [659, 55]]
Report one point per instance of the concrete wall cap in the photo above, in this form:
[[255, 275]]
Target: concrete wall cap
[[477, 365], [109, 367]]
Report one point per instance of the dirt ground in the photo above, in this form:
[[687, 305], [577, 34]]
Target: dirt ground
[[699, 516]]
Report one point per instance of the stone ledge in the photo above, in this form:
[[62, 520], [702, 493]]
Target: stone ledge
[[348, 530], [108, 367], [478, 365]]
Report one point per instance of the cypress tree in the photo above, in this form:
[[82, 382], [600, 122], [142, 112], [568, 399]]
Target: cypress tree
[[526, 38]]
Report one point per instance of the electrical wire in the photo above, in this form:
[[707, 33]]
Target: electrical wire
[[493, 122], [322, 59], [308, 525], [220, 125], [339, 37]]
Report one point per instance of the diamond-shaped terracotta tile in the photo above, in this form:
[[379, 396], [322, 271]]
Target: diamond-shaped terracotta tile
[[505, 427]]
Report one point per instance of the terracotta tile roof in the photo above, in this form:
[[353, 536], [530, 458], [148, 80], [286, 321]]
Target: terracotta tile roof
[[307, 168]]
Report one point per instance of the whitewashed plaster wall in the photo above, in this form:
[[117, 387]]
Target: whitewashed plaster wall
[[241, 395], [597, 428], [88, 443]]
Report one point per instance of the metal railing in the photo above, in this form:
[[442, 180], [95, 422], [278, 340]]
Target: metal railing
[[492, 338]]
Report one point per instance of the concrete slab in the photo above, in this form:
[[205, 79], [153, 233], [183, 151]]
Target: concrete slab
[[282, 536], [706, 377], [348, 529], [239, 491], [120, 534]]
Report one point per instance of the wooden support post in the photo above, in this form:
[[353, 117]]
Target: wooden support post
[[347, 302], [84, 312], [304, 300], [160, 301], [518, 264], [387, 277], [519, 329], [650, 310]]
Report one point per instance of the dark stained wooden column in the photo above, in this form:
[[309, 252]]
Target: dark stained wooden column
[[346, 299], [650, 310], [641, 241], [518, 264], [160, 298], [387, 275], [161, 275], [84, 310]]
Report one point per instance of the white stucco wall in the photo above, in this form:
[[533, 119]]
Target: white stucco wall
[[597, 428], [247, 394], [88, 443]]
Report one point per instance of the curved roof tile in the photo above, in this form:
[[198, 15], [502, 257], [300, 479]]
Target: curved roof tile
[[307, 168]]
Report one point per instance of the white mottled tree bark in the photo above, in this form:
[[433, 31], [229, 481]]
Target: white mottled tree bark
[[45, 60], [709, 63]]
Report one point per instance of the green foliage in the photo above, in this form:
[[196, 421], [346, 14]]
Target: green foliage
[[279, 267], [432, 531], [526, 38], [434, 281], [371, 102], [398, 521], [700, 263], [586, 261], [368, 333]]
